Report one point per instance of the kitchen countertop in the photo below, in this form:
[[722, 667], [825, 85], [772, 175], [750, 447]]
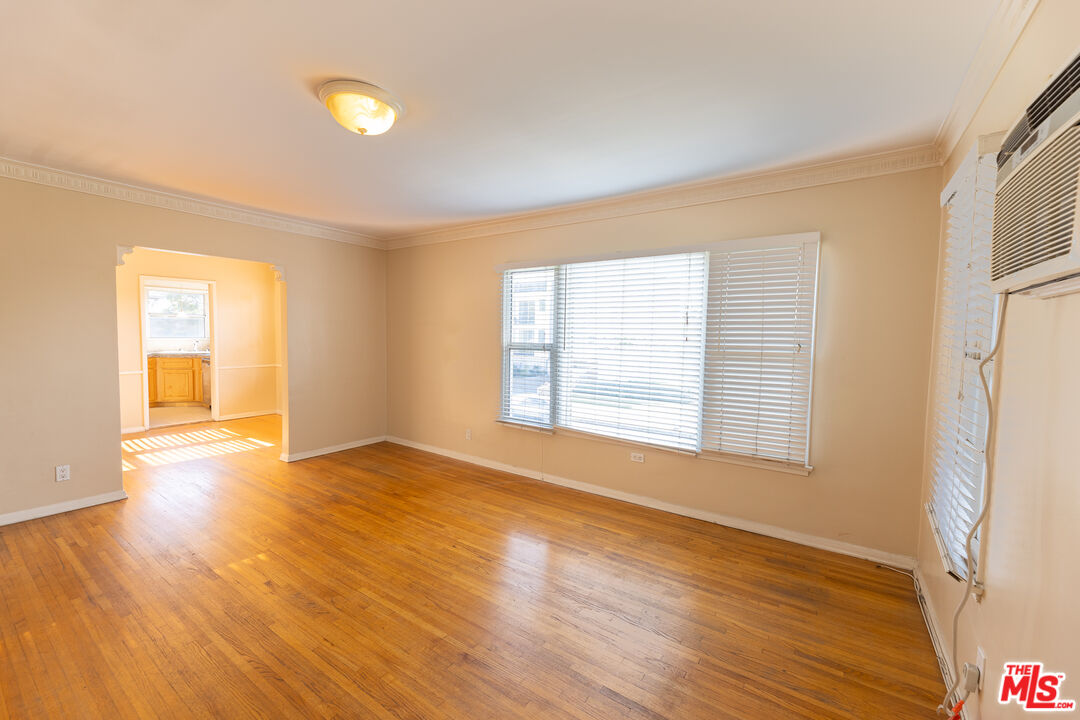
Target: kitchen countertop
[[179, 353]]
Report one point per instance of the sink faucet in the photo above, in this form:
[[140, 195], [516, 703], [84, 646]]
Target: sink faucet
[[195, 345]]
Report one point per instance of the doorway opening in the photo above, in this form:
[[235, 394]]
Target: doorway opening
[[200, 339], [178, 350]]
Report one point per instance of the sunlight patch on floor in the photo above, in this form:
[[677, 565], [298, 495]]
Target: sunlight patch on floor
[[176, 439], [158, 450]]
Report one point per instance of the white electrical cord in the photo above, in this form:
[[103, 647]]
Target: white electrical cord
[[988, 461]]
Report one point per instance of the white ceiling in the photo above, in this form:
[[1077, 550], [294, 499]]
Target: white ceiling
[[512, 106]]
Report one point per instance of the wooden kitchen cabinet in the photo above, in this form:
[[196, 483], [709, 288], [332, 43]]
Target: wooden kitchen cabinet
[[151, 379], [175, 380]]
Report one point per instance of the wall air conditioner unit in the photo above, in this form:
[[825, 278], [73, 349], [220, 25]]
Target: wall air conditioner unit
[[1036, 237]]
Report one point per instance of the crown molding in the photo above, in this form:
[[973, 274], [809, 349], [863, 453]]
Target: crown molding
[[1004, 30], [857, 168], [28, 172], [669, 198]]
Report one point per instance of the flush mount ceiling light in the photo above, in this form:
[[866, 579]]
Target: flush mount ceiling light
[[361, 107]]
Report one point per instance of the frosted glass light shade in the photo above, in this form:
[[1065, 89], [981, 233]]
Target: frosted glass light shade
[[360, 107]]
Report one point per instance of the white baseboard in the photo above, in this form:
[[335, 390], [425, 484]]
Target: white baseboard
[[305, 454], [67, 506], [474, 459], [904, 562], [933, 626], [240, 416], [135, 429]]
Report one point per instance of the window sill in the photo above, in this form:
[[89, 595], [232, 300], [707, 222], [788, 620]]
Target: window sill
[[746, 461], [526, 426], [755, 462]]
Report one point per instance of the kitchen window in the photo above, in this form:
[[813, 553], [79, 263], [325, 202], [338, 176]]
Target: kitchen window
[[173, 313]]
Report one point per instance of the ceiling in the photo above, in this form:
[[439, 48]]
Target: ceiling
[[511, 106]]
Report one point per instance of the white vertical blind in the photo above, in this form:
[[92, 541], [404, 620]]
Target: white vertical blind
[[758, 360], [965, 334], [630, 348]]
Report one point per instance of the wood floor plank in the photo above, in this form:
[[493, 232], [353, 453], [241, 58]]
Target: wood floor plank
[[384, 582]]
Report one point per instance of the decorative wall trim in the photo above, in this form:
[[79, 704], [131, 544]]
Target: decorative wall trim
[[885, 558], [668, 198], [241, 416], [679, 196], [62, 507], [1001, 35], [28, 172], [305, 454], [121, 252]]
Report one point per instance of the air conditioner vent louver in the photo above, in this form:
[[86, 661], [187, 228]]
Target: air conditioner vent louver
[[1017, 136], [1027, 131], [1035, 210], [1065, 84]]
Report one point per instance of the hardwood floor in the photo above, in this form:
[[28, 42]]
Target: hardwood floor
[[384, 582]]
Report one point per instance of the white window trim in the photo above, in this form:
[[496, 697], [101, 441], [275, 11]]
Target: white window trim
[[550, 347], [201, 287], [792, 468], [735, 244]]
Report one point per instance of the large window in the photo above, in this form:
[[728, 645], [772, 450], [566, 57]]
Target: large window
[[630, 348], [965, 334], [703, 351]]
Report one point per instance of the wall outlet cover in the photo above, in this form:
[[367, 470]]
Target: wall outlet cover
[[63, 473], [637, 457]]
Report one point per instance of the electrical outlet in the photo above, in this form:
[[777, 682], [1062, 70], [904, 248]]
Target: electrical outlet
[[468, 434], [63, 473], [637, 457], [980, 662]]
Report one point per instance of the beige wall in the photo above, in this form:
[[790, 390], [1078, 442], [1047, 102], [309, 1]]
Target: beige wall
[[1030, 564], [246, 317], [58, 321], [878, 255]]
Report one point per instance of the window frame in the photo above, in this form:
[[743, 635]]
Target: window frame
[[960, 351], [510, 345], [204, 316], [551, 427]]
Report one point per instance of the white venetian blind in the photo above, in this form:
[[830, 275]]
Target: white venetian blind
[[965, 335], [759, 351], [629, 354]]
